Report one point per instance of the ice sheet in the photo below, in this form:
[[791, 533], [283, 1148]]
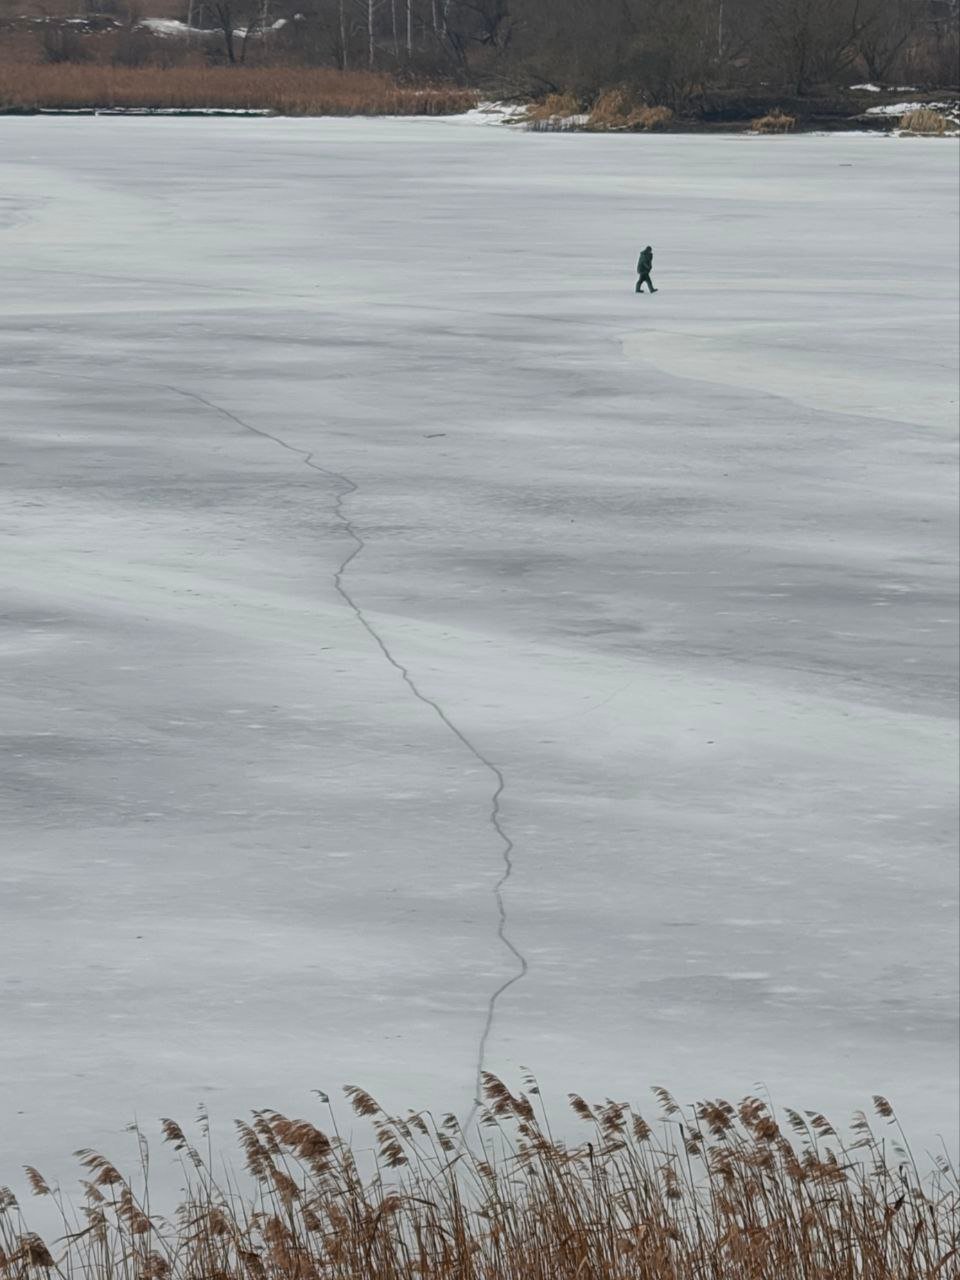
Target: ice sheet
[[681, 568]]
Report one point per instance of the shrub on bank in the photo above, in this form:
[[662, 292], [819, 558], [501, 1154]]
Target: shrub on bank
[[617, 109], [924, 120], [774, 122], [653, 118], [555, 111]]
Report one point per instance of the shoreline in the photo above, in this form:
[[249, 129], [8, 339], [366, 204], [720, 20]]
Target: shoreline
[[511, 117], [884, 127]]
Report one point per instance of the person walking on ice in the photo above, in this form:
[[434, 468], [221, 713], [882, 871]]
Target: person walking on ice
[[644, 267]]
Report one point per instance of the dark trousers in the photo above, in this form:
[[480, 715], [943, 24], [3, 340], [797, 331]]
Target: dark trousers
[[644, 280]]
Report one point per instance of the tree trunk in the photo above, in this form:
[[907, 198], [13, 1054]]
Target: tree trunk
[[801, 81], [409, 28], [249, 31], [343, 36], [371, 5], [396, 32]]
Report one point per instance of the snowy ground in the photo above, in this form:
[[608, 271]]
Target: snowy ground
[[680, 567]]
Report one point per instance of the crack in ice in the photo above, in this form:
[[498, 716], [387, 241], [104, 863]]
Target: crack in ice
[[346, 489]]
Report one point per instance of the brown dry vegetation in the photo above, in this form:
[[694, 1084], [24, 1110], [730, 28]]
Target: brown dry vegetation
[[616, 109], [552, 112], [714, 1192], [926, 121], [709, 63], [776, 122], [613, 109], [653, 118], [286, 90]]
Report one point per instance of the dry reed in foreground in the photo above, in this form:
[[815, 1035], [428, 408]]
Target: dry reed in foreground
[[707, 1192], [285, 90]]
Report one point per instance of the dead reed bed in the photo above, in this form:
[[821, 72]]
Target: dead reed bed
[[555, 113], [616, 109], [924, 120], [775, 122], [297, 91], [712, 1192]]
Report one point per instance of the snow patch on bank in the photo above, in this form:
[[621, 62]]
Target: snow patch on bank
[[180, 30], [949, 109], [172, 27]]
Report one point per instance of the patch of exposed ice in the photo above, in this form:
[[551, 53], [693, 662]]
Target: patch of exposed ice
[[486, 113], [556, 124], [155, 111], [516, 113], [834, 133]]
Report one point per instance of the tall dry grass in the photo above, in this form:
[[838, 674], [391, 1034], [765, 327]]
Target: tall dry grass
[[285, 90], [553, 114], [616, 109], [713, 1192]]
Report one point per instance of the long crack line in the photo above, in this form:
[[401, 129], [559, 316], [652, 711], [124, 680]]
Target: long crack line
[[346, 489]]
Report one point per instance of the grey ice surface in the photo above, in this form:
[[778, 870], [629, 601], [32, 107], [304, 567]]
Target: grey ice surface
[[682, 568]]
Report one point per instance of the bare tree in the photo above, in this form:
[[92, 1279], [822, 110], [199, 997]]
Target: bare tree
[[342, 15], [489, 22], [811, 41], [370, 8], [669, 51], [239, 21], [884, 28]]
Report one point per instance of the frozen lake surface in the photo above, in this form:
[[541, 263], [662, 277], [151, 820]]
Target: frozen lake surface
[[679, 570]]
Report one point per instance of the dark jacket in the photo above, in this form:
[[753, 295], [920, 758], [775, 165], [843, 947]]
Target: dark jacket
[[645, 263]]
